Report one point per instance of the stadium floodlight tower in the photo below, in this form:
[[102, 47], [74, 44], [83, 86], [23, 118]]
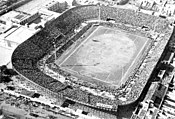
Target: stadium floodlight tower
[[54, 45], [99, 12]]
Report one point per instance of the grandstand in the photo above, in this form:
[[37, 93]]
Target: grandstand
[[71, 55]]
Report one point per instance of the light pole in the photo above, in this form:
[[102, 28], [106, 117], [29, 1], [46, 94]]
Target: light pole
[[99, 11], [54, 45]]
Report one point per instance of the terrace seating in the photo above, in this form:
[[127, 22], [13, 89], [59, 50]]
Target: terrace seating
[[67, 23], [135, 19], [88, 12], [42, 40], [26, 63]]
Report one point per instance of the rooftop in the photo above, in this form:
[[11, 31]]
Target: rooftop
[[20, 35]]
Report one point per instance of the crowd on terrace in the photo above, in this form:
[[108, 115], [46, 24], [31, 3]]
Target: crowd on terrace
[[59, 35], [133, 18]]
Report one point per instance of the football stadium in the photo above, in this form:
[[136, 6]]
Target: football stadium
[[95, 55]]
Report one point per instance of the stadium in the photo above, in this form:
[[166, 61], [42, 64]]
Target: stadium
[[95, 55]]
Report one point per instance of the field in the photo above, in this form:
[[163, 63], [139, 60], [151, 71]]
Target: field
[[107, 55]]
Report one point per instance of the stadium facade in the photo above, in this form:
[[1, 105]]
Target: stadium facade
[[36, 58]]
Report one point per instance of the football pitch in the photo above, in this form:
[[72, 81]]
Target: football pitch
[[106, 55]]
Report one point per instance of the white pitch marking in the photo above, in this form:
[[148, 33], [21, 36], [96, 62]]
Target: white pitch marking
[[116, 30], [107, 77], [135, 59], [80, 45], [120, 30]]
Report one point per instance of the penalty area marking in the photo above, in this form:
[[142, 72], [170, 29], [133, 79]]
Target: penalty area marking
[[79, 45], [138, 54]]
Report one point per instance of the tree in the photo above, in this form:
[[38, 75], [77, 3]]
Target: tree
[[7, 72], [74, 3]]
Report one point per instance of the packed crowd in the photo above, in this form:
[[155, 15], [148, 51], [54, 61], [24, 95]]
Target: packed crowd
[[172, 42], [26, 56], [66, 22], [25, 62], [89, 12], [134, 18]]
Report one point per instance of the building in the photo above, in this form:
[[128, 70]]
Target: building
[[149, 107], [56, 5], [19, 17], [5, 26], [157, 96], [17, 36], [168, 10]]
